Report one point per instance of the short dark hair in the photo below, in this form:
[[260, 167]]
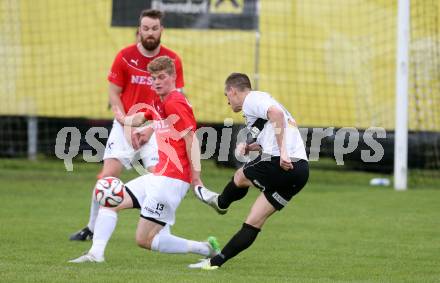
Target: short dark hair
[[151, 13], [239, 81]]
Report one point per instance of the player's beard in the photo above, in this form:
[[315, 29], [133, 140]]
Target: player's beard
[[150, 43]]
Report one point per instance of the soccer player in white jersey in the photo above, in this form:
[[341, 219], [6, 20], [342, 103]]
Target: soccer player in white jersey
[[280, 171], [159, 194]]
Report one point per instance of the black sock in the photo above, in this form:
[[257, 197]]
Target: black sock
[[241, 241], [231, 193]]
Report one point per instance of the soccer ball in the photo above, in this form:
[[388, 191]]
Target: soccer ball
[[109, 191]]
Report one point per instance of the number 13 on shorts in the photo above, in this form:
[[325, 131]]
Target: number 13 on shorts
[[153, 209]]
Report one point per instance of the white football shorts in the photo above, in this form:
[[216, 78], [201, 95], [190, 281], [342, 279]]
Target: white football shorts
[[118, 147], [158, 196]]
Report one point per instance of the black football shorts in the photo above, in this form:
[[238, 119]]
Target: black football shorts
[[277, 184]]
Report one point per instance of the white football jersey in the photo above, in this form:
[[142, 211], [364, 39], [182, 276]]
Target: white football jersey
[[255, 105]]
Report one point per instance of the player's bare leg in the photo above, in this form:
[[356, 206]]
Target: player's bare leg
[[145, 233], [153, 236], [112, 167], [261, 210]]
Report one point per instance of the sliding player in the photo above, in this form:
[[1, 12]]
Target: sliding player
[[158, 195]]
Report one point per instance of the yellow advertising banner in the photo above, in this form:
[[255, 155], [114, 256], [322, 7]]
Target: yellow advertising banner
[[331, 62]]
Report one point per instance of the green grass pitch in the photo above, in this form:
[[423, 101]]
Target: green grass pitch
[[338, 229]]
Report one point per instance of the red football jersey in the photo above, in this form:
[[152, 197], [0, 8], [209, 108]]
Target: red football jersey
[[173, 117], [129, 71]]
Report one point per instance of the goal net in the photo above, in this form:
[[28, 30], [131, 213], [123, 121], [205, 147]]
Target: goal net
[[332, 63]]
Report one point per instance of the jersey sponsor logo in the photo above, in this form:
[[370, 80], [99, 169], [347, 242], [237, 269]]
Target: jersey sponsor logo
[[110, 144], [134, 61], [152, 211], [161, 126], [141, 80]]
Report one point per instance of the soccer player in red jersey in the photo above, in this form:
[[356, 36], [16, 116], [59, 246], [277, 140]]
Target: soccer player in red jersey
[[159, 194], [130, 87]]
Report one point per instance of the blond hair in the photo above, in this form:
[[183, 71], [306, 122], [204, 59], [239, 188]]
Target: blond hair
[[162, 63]]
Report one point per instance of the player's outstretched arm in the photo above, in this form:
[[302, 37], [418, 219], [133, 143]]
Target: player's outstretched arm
[[135, 120]]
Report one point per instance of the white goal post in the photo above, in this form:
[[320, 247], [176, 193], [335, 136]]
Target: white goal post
[[402, 84]]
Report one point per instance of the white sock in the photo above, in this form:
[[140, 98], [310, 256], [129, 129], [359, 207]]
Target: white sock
[[105, 225], [94, 209], [165, 242]]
